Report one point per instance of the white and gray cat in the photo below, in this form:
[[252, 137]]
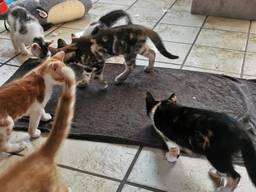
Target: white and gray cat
[[25, 30]]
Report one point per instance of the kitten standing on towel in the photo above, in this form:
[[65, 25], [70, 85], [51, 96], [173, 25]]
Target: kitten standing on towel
[[25, 30], [38, 171], [28, 96], [213, 134], [128, 40]]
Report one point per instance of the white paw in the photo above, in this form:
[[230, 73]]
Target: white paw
[[36, 134], [82, 84], [24, 52], [69, 189], [46, 117], [171, 158]]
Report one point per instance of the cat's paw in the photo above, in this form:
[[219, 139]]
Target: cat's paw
[[46, 117], [24, 52], [35, 134], [15, 147], [82, 84], [148, 69], [118, 81], [171, 158]]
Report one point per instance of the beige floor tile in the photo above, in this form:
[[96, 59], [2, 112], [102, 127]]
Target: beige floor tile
[[175, 48], [188, 174], [179, 34], [223, 60], [6, 72], [129, 188], [184, 5], [222, 39], [140, 62], [180, 17], [252, 43], [159, 4], [119, 2], [79, 182], [249, 64], [106, 159], [253, 27], [211, 71], [222, 23], [19, 60], [146, 17], [7, 50], [101, 9], [81, 23]]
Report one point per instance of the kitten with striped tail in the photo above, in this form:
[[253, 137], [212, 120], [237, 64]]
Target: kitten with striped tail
[[214, 135], [38, 171]]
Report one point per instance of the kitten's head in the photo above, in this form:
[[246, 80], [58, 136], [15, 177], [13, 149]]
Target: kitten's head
[[151, 103], [40, 48], [55, 70]]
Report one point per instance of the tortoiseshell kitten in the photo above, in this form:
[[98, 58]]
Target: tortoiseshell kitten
[[127, 40], [214, 135]]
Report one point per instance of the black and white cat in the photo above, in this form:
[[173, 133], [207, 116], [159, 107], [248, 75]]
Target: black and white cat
[[214, 135], [25, 30]]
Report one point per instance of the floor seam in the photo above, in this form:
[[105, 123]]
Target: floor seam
[[245, 53], [131, 5], [189, 51], [128, 172]]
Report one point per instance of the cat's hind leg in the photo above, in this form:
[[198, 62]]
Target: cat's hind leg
[[223, 164], [14, 44], [6, 126], [130, 62], [98, 75], [146, 51], [86, 77]]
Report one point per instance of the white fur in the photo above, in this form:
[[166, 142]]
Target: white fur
[[88, 30], [168, 142]]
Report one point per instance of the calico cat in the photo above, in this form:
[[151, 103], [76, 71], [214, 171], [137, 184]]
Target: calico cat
[[38, 171], [127, 40], [214, 135], [25, 30], [28, 96], [106, 21]]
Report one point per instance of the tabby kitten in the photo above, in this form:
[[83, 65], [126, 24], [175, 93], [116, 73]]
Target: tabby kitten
[[25, 30], [28, 96], [127, 40], [213, 134], [38, 171]]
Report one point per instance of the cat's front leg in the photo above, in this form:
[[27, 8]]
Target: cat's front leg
[[15, 44], [23, 49], [86, 77], [100, 78], [129, 67], [174, 152], [34, 119]]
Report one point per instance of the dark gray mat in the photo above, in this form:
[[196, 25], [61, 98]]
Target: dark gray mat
[[118, 115]]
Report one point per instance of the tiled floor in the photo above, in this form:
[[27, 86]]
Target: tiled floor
[[207, 44]]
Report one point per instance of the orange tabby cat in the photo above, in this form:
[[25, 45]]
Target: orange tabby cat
[[28, 96], [38, 171]]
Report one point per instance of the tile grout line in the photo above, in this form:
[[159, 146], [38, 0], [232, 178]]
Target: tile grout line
[[161, 18], [128, 172], [144, 187], [89, 173], [189, 51], [245, 52], [131, 5]]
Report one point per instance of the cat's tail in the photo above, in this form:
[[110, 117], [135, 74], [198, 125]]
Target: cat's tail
[[249, 156], [156, 39], [63, 116]]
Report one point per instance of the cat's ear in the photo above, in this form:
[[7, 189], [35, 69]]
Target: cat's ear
[[173, 98], [35, 49], [61, 43], [59, 56], [150, 97], [49, 42]]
